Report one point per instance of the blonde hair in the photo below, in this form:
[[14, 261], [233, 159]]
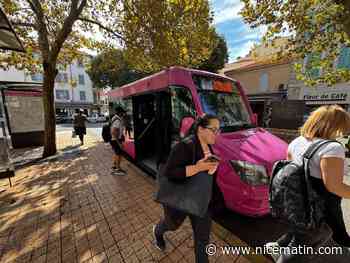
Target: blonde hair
[[326, 122]]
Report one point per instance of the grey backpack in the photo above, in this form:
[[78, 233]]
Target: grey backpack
[[291, 195]]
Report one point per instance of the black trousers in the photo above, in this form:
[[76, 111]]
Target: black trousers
[[335, 219], [334, 222], [80, 131], [174, 218], [333, 212]]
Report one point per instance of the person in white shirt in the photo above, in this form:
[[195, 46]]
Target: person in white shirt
[[327, 169], [117, 133]]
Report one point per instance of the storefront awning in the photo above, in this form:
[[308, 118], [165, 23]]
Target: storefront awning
[[261, 97], [8, 38], [325, 102]]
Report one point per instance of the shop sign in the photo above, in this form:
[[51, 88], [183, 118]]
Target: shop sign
[[327, 96]]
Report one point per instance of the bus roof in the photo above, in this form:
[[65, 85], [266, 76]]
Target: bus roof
[[161, 80]]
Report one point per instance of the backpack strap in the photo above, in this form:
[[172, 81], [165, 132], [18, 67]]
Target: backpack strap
[[313, 148], [115, 117]]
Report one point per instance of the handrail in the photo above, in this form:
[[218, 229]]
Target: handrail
[[148, 126]]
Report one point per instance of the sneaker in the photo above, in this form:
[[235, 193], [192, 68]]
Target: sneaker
[[122, 171], [159, 242], [118, 172]]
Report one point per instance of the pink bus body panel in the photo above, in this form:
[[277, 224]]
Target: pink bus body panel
[[185, 125], [129, 147], [255, 146]]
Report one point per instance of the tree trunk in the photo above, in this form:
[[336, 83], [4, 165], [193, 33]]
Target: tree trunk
[[49, 111]]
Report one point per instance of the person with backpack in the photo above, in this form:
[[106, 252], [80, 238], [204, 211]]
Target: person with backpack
[[306, 190], [190, 159], [117, 129], [79, 124]]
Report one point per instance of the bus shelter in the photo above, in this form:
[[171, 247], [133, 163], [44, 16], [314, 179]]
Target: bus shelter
[[8, 41]]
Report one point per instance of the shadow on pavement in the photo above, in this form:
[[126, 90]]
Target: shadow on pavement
[[253, 231]]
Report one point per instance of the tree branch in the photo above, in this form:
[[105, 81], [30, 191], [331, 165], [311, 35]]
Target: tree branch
[[67, 26], [41, 28], [346, 4], [118, 35], [23, 24]]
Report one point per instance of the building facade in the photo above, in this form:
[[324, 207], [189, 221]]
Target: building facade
[[104, 101], [101, 100], [266, 83], [319, 95], [263, 82], [73, 87]]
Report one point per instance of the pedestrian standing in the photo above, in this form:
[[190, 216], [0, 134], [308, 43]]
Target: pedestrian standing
[[179, 167], [117, 133], [79, 124]]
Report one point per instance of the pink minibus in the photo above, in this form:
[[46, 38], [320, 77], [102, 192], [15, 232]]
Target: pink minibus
[[161, 110]]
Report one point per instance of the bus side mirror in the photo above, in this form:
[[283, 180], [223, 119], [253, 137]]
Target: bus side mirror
[[255, 119], [185, 125]]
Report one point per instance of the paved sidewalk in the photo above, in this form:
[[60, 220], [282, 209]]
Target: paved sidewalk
[[72, 210]]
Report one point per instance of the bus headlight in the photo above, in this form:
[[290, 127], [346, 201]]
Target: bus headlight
[[252, 174]]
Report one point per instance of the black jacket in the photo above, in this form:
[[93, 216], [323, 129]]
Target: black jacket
[[188, 152]]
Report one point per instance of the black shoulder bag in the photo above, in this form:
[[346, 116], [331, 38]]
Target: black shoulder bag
[[191, 196]]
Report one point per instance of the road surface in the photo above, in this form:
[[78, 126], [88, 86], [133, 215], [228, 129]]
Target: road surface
[[95, 128]]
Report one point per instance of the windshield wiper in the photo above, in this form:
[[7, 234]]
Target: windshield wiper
[[247, 125]]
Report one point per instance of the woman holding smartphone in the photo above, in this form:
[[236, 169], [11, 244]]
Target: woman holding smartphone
[[180, 165]]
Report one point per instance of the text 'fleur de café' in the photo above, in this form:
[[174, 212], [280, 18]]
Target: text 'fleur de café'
[[326, 96]]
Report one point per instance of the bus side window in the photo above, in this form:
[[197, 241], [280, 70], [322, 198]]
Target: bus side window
[[182, 105]]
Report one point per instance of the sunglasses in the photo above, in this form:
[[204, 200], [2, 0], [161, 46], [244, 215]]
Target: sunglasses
[[214, 130]]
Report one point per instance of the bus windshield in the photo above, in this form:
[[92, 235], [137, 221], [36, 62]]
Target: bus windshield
[[223, 100]]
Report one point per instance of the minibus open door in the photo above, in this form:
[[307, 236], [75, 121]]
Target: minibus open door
[[152, 124], [164, 127]]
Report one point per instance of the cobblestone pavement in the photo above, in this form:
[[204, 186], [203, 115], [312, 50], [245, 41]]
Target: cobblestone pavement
[[71, 209]]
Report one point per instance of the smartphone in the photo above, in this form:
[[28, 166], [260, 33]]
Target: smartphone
[[213, 158]]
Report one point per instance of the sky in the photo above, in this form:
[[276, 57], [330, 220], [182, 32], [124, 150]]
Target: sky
[[240, 38]]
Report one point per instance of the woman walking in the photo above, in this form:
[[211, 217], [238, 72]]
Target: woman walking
[[327, 169], [181, 166], [79, 125]]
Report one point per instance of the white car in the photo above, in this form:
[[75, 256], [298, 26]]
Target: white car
[[96, 118], [92, 119], [101, 118]]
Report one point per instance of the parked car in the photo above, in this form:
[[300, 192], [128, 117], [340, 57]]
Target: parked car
[[59, 119], [101, 118], [64, 119], [96, 118], [68, 119]]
